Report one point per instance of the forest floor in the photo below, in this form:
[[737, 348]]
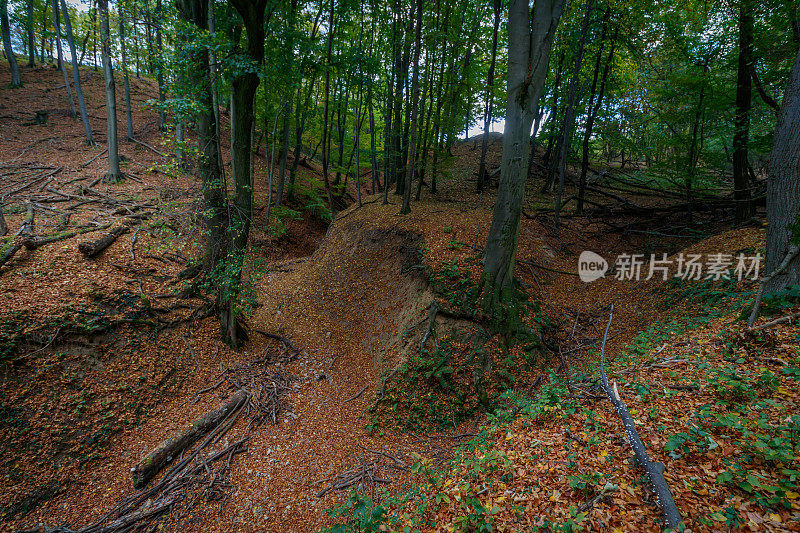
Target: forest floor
[[103, 359]]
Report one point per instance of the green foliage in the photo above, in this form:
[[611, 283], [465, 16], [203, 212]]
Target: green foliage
[[777, 302], [363, 515]]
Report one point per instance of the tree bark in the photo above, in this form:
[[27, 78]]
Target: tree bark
[[128, 116], [16, 80], [569, 114], [741, 186], [783, 187], [61, 66], [487, 116], [243, 92], [95, 248], [170, 448], [411, 162], [31, 41], [530, 43], [114, 173], [76, 75], [593, 110]]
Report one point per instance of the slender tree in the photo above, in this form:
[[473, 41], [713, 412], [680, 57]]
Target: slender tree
[[489, 105], [16, 80], [569, 113], [31, 40], [76, 75], [411, 162], [741, 188], [61, 66], [114, 174], [127, 83], [243, 89]]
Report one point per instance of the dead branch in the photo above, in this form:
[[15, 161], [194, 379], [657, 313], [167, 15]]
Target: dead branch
[[781, 320], [171, 447], [36, 242], [94, 248], [654, 469], [356, 395]]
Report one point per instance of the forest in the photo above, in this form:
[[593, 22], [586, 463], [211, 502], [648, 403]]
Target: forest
[[399, 265]]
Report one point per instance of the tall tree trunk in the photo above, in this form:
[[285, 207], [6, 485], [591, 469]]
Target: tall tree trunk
[[214, 189], [411, 162], [114, 173], [76, 75], [569, 113], [553, 119], [31, 40], [325, 134], [530, 41], [243, 92], [694, 154], [783, 188], [487, 115], [159, 58], [214, 94], [373, 156], [128, 116], [593, 109], [741, 186], [16, 80], [61, 66]]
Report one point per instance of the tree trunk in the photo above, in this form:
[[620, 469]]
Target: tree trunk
[[569, 114], [16, 80], [411, 162], [741, 186], [61, 66], [76, 75], [530, 43], [594, 109], [487, 116], [31, 41], [243, 93], [160, 68], [175, 444], [114, 173], [214, 188], [783, 188], [128, 117], [325, 133]]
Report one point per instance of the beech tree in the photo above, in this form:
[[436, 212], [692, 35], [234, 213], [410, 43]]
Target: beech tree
[[783, 188], [114, 174], [530, 41], [76, 75], [16, 80]]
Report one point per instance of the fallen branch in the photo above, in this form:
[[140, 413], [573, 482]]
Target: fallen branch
[[36, 242], [94, 248], [654, 469], [137, 141], [356, 395], [777, 321], [172, 447]]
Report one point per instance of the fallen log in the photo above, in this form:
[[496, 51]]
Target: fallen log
[[9, 251], [170, 448], [654, 469], [94, 248], [36, 242]]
